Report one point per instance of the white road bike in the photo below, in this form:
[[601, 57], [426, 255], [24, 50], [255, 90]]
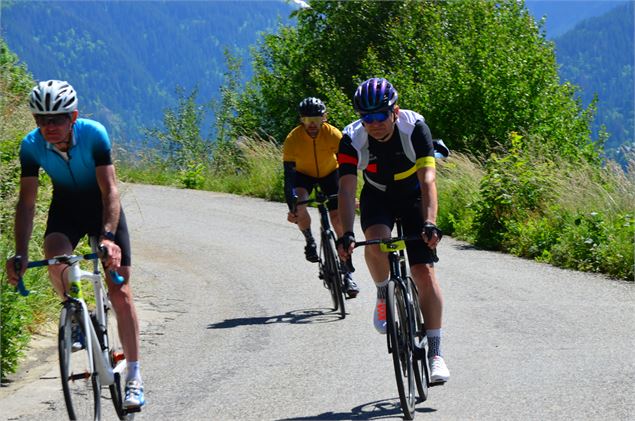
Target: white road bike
[[94, 358]]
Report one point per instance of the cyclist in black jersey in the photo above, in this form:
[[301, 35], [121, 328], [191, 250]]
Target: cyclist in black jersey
[[75, 153], [394, 148]]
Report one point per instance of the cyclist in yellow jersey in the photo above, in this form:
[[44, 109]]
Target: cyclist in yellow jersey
[[309, 158]]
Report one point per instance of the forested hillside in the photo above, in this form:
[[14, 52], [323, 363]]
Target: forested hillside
[[126, 58], [562, 15], [598, 56]]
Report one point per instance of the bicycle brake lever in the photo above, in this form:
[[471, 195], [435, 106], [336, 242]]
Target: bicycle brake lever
[[21, 288], [17, 264], [116, 278]]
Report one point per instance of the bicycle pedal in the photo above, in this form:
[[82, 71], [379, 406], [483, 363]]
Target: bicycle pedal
[[132, 409], [436, 384]]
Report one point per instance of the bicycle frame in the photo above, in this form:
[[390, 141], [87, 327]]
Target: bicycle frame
[[97, 350]]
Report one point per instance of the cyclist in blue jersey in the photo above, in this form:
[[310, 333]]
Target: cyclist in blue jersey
[[394, 149], [76, 154]]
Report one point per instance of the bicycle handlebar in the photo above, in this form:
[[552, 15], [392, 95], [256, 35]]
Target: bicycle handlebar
[[319, 199], [390, 240], [72, 259]]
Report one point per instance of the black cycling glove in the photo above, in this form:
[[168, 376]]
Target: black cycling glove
[[429, 229], [346, 239]]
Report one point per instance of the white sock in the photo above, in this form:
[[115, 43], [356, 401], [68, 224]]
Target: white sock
[[133, 372]]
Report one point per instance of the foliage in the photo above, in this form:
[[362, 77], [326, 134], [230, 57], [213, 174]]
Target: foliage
[[476, 70], [181, 145], [542, 207], [19, 317]]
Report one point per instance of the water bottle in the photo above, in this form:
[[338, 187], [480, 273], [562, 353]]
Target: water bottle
[[74, 281]]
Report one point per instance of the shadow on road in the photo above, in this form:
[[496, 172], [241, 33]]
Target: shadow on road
[[306, 316], [388, 408]]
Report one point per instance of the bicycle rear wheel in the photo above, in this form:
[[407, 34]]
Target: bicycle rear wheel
[[400, 347], [332, 274], [80, 382], [421, 370]]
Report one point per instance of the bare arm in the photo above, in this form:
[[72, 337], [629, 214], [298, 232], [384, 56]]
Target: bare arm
[[111, 209], [24, 214], [429, 203], [23, 227], [109, 196], [346, 209], [346, 201]]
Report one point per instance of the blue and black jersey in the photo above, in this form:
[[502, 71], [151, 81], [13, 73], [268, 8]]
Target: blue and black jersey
[[72, 173]]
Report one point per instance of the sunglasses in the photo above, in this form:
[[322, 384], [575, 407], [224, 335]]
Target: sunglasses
[[379, 117], [55, 120], [308, 120]]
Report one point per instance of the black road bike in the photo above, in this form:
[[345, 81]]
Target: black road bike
[[406, 333], [330, 266]]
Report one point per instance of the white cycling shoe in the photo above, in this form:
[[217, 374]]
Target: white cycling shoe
[[439, 372]]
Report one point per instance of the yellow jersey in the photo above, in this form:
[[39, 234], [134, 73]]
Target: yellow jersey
[[313, 157]]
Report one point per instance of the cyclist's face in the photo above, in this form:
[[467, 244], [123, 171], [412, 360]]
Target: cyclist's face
[[56, 129], [382, 130], [312, 125]]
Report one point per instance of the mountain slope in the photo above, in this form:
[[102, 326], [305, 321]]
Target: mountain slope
[[562, 15], [598, 56], [126, 58]]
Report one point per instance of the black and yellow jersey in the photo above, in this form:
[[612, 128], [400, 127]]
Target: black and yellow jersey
[[313, 157], [389, 166]]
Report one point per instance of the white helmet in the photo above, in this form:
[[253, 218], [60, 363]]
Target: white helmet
[[53, 97]]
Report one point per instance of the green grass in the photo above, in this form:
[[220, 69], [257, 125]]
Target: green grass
[[571, 215]]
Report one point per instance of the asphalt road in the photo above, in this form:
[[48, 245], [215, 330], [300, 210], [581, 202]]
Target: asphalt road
[[237, 326]]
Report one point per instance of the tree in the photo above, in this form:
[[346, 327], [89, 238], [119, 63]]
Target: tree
[[476, 70]]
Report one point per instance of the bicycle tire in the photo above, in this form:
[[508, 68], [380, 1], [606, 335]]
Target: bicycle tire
[[421, 369], [401, 348], [332, 274], [80, 382], [115, 353]]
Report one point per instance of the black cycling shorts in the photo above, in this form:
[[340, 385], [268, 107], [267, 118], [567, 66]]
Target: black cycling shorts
[[75, 220], [328, 184], [379, 208]]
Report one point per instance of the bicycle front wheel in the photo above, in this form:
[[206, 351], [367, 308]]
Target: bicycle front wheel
[[116, 357], [401, 347], [80, 382], [332, 274], [421, 370]]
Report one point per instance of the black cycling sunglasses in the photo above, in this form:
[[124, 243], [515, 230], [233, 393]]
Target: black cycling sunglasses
[[380, 116], [43, 120]]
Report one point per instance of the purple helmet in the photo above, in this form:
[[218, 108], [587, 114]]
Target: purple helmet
[[374, 95]]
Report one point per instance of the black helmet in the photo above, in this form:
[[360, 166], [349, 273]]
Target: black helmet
[[311, 107], [375, 94]]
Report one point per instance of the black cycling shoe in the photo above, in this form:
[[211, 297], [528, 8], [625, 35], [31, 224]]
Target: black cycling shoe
[[310, 252], [351, 287]]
